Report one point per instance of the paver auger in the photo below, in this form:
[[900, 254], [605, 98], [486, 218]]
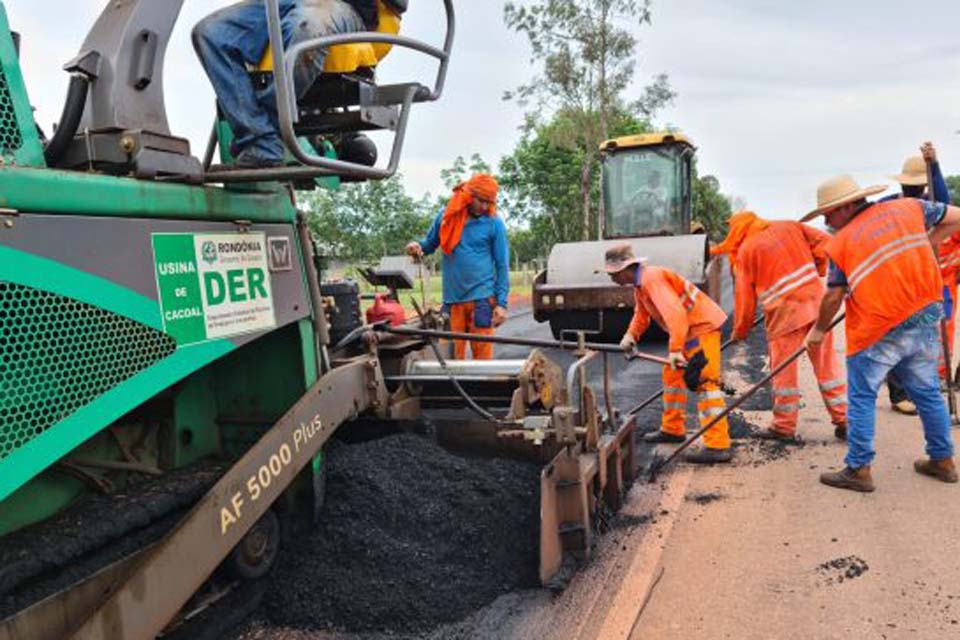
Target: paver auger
[[167, 382]]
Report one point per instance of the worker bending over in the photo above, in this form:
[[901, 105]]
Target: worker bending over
[[883, 264], [780, 264], [234, 38], [476, 262], [914, 181], [693, 323]]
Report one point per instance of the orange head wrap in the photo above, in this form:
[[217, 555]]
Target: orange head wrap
[[743, 225], [455, 215]]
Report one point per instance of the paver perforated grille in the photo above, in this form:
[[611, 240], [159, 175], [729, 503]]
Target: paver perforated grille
[[58, 354], [10, 138]]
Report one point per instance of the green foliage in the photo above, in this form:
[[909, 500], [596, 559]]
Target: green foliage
[[585, 54], [710, 208], [362, 222], [540, 182], [953, 184]]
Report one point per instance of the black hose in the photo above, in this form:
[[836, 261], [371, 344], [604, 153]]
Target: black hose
[[69, 119]]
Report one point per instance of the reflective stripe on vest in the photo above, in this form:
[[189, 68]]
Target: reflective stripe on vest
[[883, 254], [789, 282]]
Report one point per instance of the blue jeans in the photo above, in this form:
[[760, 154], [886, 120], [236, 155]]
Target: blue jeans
[[911, 351], [229, 40]]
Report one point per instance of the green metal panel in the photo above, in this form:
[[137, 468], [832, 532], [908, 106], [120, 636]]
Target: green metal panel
[[19, 141], [195, 432], [73, 193], [77, 352]]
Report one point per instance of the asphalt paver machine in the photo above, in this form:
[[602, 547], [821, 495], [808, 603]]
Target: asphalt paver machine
[[166, 363]]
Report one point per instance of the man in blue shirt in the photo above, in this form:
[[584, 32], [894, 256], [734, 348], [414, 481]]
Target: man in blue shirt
[[913, 184], [233, 38], [475, 265]]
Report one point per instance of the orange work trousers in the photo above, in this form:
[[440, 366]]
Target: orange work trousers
[[710, 398], [786, 392], [463, 319]]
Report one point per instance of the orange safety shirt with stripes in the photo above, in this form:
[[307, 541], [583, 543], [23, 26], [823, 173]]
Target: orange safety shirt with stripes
[[781, 268], [888, 267], [950, 260], [674, 303]]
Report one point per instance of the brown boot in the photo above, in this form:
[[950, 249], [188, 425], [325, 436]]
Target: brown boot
[[943, 469], [847, 478]]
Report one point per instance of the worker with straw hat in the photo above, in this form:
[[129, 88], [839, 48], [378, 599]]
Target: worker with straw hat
[[913, 180], [884, 266], [693, 322], [780, 263]]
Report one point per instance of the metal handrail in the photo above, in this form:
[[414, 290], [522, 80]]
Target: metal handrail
[[283, 68]]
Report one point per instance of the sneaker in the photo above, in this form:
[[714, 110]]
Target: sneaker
[[840, 431], [906, 407], [943, 470], [848, 478], [247, 159], [773, 434], [709, 456], [657, 437]]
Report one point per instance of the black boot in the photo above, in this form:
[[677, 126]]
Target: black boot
[[709, 456], [657, 437]]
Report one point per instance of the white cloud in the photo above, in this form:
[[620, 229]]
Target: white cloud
[[778, 96]]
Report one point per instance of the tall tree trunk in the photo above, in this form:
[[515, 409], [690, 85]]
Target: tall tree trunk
[[585, 172]]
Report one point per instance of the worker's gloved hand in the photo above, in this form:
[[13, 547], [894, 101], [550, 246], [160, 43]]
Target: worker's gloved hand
[[499, 315], [814, 338], [677, 361], [414, 250], [627, 343]]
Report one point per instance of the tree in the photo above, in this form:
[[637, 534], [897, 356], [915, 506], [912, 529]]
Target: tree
[[362, 222], [953, 184], [586, 62], [710, 208], [541, 182]]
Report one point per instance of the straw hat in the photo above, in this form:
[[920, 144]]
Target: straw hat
[[914, 172], [619, 258], [837, 192]]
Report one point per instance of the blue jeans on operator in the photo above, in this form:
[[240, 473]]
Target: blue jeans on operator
[[911, 350], [234, 38]]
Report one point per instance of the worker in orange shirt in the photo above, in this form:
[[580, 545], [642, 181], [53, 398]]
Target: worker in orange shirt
[[780, 263], [883, 267], [949, 258], [693, 323]]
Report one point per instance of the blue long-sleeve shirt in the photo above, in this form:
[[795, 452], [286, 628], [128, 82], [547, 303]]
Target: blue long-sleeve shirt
[[479, 266]]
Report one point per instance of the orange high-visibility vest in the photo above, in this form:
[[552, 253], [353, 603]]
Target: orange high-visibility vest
[[676, 304], [890, 267], [780, 267], [950, 260]]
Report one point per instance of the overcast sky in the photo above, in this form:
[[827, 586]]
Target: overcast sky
[[777, 95]]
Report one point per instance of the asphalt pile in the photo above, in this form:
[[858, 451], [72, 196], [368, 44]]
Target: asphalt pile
[[411, 537]]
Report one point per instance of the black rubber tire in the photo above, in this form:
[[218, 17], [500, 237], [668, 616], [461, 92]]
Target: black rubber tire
[[254, 555]]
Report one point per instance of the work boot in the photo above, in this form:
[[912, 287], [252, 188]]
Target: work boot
[[906, 407], [840, 430], [248, 159], [943, 470], [777, 436], [848, 478], [657, 437], [709, 456]]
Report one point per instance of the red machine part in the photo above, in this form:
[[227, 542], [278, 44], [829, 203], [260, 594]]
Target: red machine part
[[386, 308]]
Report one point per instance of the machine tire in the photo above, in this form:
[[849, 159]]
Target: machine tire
[[254, 555]]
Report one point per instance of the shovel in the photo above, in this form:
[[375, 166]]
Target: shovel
[[659, 466]]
